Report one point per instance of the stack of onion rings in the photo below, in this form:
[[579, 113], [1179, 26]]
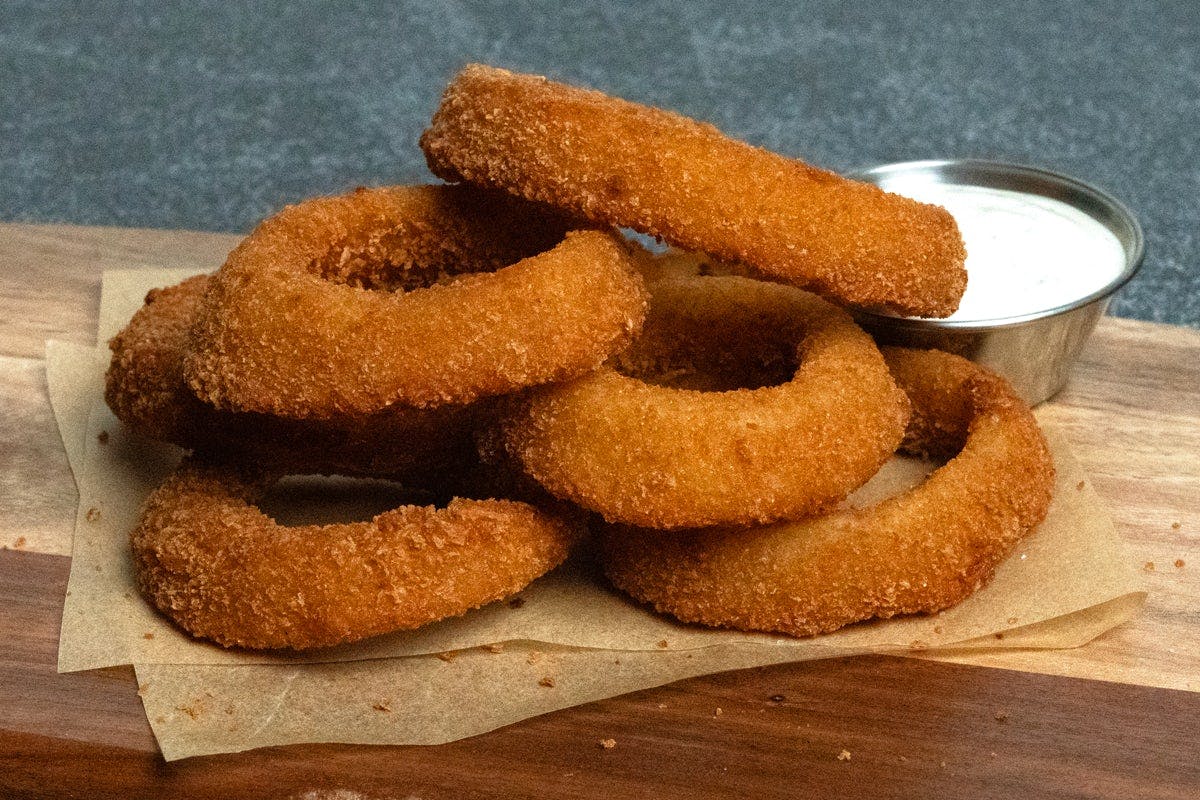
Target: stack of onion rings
[[920, 551], [662, 174], [293, 324], [209, 559], [669, 456]]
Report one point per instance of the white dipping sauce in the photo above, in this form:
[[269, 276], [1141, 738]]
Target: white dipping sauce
[[1025, 253]]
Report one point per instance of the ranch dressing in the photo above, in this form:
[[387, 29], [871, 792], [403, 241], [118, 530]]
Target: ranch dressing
[[1025, 252]]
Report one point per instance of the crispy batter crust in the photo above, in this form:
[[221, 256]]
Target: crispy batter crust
[[209, 559], [920, 551], [665, 175], [144, 387], [660, 437], [301, 320]]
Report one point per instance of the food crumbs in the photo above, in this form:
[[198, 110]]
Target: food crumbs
[[382, 707], [447, 656], [992, 754], [147, 635], [533, 657], [547, 681], [608, 744], [844, 755], [516, 602], [1001, 716], [142, 689], [19, 543], [904, 759], [102, 437], [662, 705], [718, 712], [1176, 526], [662, 643], [1148, 566], [494, 648], [189, 710], [1179, 562], [93, 514], [943, 765], [937, 629], [917, 644], [1079, 486], [1012, 620], [999, 635], [776, 698]]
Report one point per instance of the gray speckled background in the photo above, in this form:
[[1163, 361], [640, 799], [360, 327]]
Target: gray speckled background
[[205, 115]]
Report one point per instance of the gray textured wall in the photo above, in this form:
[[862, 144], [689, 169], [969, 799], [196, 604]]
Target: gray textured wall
[[207, 115]]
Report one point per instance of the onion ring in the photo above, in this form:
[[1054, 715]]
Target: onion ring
[[144, 387], [668, 176], [698, 451], [917, 552], [299, 322], [209, 559]]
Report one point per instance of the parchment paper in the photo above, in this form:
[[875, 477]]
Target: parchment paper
[[1064, 585]]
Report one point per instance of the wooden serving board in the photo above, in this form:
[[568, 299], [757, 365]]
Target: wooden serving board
[[1112, 719]]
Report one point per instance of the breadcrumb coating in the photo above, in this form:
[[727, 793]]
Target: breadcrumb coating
[[668, 176], [144, 387], [208, 558], [308, 318], [917, 552], [742, 402]]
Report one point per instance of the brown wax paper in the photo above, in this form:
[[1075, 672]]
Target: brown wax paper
[[1063, 586]]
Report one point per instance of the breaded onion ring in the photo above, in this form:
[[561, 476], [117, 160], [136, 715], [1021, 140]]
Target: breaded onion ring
[[301, 321], [701, 450], [665, 175], [209, 559], [144, 387], [917, 552]]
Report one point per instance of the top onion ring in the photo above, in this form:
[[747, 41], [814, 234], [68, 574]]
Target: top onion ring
[[291, 325], [668, 176]]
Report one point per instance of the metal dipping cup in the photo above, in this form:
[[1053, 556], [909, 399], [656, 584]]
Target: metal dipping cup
[[1036, 350]]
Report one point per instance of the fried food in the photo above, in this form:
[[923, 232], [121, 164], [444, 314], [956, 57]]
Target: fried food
[[308, 317], [917, 552], [144, 387], [668, 176], [208, 558], [742, 402]]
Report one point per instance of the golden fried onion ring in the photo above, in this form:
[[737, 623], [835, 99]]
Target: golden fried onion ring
[[917, 552], [209, 559], [662, 174], [302, 321], [621, 443]]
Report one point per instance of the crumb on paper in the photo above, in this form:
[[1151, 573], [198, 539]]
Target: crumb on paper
[[143, 688], [160, 719], [1011, 620], [533, 657], [917, 644], [102, 437], [384, 706], [147, 635], [516, 602], [192, 710], [1179, 563], [1148, 566], [447, 656], [844, 755], [607, 744], [1001, 716], [937, 629], [547, 681], [999, 635], [1079, 486], [663, 643], [617, 661], [498, 647], [93, 514], [1176, 526]]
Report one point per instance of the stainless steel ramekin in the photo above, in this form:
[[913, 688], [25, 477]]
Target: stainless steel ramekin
[[1036, 350]]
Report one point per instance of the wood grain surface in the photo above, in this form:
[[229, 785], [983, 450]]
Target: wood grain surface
[[912, 728]]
